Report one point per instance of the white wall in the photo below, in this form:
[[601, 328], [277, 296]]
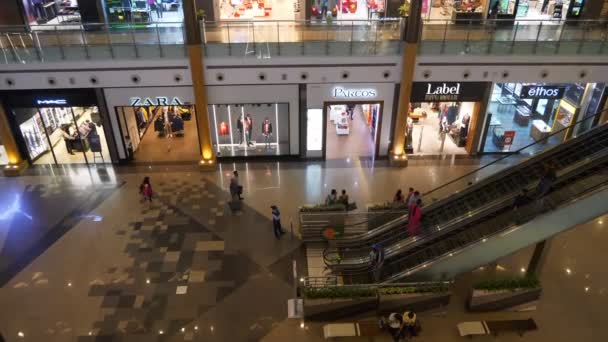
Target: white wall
[[236, 94], [317, 94], [119, 97]]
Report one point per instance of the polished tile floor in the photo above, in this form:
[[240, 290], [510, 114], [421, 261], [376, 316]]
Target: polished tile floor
[[187, 268]]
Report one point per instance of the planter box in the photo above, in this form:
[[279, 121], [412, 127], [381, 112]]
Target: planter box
[[417, 302], [333, 309], [518, 299]]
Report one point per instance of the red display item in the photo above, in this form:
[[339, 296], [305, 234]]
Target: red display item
[[223, 128], [353, 6], [345, 6], [334, 11], [372, 4], [315, 10]]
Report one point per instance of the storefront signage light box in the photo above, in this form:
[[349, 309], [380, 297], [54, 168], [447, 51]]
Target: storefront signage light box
[[339, 92], [52, 102], [448, 91], [542, 92], [156, 101]]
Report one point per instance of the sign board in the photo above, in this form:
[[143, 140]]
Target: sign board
[[448, 91], [49, 98], [156, 101], [346, 93], [508, 138], [542, 92]]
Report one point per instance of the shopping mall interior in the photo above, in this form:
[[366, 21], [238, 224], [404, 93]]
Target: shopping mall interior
[[160, 133], [352, 130]]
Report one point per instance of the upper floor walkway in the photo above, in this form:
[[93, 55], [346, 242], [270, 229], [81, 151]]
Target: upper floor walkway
[[268, 39]]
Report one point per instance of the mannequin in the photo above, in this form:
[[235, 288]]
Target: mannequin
[[267, 131], [249, 128]]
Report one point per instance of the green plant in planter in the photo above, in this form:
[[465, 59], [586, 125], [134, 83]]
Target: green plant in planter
[[200, 14], [322, 207], [329, 19], [404, 9], [338, 292], [530, 282], [426, 288]]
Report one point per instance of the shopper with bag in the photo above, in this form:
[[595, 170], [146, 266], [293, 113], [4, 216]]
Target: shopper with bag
[[145, 190], [276, 222], [236, 190]]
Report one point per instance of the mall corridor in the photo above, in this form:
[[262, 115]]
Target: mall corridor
[[186, 268]]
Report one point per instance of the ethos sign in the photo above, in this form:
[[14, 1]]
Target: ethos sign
[[156, 101], [339, 92], [542, 92], [448, 91]]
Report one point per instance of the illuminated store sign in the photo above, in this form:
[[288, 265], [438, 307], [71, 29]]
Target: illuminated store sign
[[448, 91], [52, 102], [339, 92], [542, 92], [156, 101]]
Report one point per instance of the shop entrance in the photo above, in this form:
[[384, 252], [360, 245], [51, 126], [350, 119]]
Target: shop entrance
[[352, 129], [63, 135], [159, 133], [439, 127]]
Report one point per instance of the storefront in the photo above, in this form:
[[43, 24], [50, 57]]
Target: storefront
[[520, 114], [143, 11], [59, 126], [253, 121], [348, 121], [443, 117], [536, 10], [259, 9], [348, 9], [453, 10], [154, 124]]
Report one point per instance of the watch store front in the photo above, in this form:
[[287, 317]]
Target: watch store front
[[443, 117], [348, 121], [520, 114], [154, 124], [59, 126], [253, 121]]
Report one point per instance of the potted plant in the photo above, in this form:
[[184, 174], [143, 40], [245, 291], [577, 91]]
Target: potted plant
[[335, 302], [404, 9], [504, 293], [416, 297], [200, 14]]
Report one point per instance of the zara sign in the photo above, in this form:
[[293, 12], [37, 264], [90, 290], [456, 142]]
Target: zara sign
[[344, 93], [155, 101], [542, 92], [448, 91]]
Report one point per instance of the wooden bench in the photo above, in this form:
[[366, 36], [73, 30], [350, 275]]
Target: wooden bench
[[362, 328], [520, 326]]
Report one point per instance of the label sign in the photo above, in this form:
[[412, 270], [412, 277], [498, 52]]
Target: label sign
[[339, 92], [542, 92], [448, 91], [155, 101], [508, 138], [52, 102]]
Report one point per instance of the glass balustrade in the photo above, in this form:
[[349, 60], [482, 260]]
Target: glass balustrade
[[270, 39]]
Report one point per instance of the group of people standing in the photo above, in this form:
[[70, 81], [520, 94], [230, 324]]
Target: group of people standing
[[413, 202], [333, 198]]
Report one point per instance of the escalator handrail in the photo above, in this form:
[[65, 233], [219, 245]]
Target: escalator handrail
[[371, 233], [499, 204], [597, 187]]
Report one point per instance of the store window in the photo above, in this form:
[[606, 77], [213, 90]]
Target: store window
[[63, 135], [259, 9], [51, 12], [144, 11], [159, 133], [352, 130], [259, 129], [520, 114], [453, 10], [535, 10]]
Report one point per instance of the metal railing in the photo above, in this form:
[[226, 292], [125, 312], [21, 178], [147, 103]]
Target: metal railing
[[519, 37], [264, 39]]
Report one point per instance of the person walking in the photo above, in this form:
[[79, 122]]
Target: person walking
[[145, 190], [236, 189], [545, 185], [413, 200], [398, 198], [276, 222], [410, 193], [415, 218], [376, 258]]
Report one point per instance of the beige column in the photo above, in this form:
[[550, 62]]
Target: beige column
[[195, 55], [16, 164]]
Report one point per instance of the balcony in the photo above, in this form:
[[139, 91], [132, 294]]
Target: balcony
[[269, 39]]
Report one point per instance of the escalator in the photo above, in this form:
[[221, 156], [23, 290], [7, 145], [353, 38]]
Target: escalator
[[458, 205], [584, 186]]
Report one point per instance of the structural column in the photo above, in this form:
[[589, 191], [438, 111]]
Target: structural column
[[16, 164], [195, 54], [408, 62]]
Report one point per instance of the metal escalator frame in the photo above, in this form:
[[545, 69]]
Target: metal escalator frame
[[548, 152], [485, 211], [364, 260], [582, 194]]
